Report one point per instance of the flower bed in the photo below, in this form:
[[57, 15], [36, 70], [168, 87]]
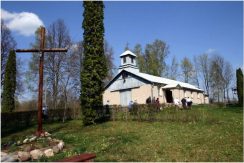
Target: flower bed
[[31, 148]]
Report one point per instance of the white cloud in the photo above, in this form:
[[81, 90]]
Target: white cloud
[[24, 23], [211, 51]]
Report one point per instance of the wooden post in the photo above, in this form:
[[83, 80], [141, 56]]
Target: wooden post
[[41, 65], [40, 87]]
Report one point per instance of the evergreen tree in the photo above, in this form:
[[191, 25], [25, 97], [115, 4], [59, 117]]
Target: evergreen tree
[[239, 84], [9, 85], [7, 43], [94, 65]]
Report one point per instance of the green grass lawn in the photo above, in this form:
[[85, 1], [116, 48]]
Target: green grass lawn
[[216, 136]]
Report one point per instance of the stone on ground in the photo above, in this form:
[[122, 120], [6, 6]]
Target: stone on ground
[[26, 140], [60, 145], [36, 154], [33, 139], [55, 149], [24, 156], [48, 153]]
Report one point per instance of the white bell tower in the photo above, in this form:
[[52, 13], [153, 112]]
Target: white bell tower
[[128, 62]]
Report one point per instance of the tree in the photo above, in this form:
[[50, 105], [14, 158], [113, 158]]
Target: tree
[[94, 63], [9, 86], [187, 69], [109, 60], [58, 36], [7, 43], [152, 61], [204, 69], [195, 72], [228, 76], [216, 77], [69, 80], [140, 58], [173, 69], [239, 85], [54, 63], [155, 55]]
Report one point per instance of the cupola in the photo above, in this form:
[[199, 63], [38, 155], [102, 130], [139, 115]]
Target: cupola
[[128, 62]]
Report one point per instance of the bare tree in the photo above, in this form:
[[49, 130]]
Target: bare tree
[[173, 69], [57, 36], [187, 69], [19, 79], [7, 43], [196, 72], [203, 62], [109, 58], [216, 77], [70, 78], [228, 77]]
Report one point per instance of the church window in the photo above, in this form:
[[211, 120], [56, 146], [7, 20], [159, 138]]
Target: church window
[[124, 75], [124, 59], [132, 60]]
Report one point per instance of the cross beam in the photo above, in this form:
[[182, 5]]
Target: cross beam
[[41, 50]]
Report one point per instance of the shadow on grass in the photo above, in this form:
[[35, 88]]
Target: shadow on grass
[[11, 129], [6, 131]]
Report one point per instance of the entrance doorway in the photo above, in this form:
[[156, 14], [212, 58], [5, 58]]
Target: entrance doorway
[[168, 95], [125, 97]]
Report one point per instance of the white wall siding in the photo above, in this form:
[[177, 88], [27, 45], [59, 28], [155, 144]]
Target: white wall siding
[[128, 83]]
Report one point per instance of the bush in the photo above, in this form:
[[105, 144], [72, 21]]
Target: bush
[[15, 121], [168, 114], [239, 85]]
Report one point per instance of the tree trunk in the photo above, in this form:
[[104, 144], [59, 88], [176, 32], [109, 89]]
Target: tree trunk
[[65, 105], [227, 92]]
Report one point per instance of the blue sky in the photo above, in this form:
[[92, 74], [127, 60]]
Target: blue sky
[[189, 28]]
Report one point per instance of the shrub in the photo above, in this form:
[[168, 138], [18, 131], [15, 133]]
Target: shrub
[[9, 84], [239, 85], [168, 114]]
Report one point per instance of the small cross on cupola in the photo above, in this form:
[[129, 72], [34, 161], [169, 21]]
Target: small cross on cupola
[[128, 62]]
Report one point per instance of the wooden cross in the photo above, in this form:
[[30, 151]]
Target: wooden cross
[[41, 50]]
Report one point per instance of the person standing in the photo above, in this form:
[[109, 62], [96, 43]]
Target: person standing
[[183, 101], [45, 112], [130, 105], [157, 104], [189, 102], [106, 108]]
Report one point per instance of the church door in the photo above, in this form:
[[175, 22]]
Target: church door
[[169, 97], [125, 97]]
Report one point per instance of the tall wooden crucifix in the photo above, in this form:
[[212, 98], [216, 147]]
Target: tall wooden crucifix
[[41, 50]]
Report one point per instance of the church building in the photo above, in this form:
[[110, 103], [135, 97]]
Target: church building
[[132, 85]]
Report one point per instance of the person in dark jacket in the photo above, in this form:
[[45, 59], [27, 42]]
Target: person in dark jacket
[[157, 104], [183, 101]]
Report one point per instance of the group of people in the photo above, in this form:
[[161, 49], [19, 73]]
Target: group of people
[[153, 101], [185, 102]]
